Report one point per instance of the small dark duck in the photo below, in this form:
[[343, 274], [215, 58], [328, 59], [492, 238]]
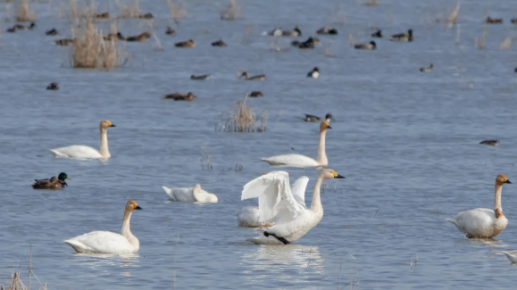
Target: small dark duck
[[189, 97], [53, 86], [308, 44], [311, 118], [427, 69], [170, 31], [253, 78], [199, 78], [148, 15], [64, 42], [514, 20], [327, 31], [141, 37], [103, 15], [54, 183], [296, 32], [366, 46], [189, 44], [52, 31], [489, 142], [11, 29], [403, 37], [490, 20], [377, 34], [314, 73], [219, 43], [256, 94]]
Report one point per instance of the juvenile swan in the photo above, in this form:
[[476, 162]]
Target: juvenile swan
[[298, 160], [249, 216], [289, 217], [103, 242], [87, 152], [483, 223], [195, 194]]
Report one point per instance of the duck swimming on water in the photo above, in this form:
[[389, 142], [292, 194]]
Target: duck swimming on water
[[403, 37], [253, 78], [312, 118], [54, 183]]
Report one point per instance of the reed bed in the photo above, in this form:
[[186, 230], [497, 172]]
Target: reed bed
[[90, 50], [24, 14], [177, 11], [232, 12], [130, 10], [242, 119]]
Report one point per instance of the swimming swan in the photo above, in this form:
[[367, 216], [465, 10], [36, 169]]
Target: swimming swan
[[248, 216], [290, 219], [511, 257], [483, 223], [298, 160], [103, 242], [195, 194], [87, 152]]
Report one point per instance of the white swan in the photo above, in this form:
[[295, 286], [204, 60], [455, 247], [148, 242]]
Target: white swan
[[289, 217], [298, 160], [248, 216], [103, 242], [87, 152], [483, 223], [195, 194], [511, 257]]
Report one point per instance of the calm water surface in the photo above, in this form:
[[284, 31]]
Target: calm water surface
[[406, 141]]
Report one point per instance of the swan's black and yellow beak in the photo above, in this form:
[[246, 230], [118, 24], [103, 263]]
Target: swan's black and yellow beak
[[328, 127], [113, 125], [339, 176], [138, 207], [508, 181]]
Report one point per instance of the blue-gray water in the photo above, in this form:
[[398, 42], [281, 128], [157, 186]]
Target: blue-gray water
[[406, 141]]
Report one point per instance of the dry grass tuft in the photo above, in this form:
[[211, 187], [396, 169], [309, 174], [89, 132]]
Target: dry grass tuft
[[480, 42], [90, 50], [130, 10], [83, 11], [242, 119], [238, 167], [207, 164], [177, 11], [24, 14], [506, 44], [232, 12], [453, 17]]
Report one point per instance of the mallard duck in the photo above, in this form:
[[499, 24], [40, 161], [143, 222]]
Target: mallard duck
[[199, 78], [256, 94], [189, 97], [141, 37], [314, 73], [366, 46], [309, 43], [489, 142], [253, 78], [377, 34], [148, 15], [327, 31], [219, 43], [11, 29], [103, 15], [52, 183], [493, 20], [403, 37], [53, 86], [23, 27], [312, 118], [170, 31], [64, 42], [279, 32], [52, 31], [427, 69], [189, 43]]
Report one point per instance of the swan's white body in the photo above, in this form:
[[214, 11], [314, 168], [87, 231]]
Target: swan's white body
[[289, 216], [249, 216], [298, 160], [87, 152], [511, 257], [103, 242], [190, 194], [483, 223]]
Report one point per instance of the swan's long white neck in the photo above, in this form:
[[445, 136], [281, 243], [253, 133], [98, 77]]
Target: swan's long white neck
[[497, 200], [322, 156], [126, 231], [316, 198], [104, 143]]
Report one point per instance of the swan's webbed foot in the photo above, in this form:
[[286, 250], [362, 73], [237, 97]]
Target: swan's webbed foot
[[284, 241]]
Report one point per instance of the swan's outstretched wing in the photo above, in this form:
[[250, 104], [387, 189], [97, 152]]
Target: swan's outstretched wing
[[299, 187], [275, 197]]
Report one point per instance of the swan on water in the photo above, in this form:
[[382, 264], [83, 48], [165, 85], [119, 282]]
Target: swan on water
[[190, 194]]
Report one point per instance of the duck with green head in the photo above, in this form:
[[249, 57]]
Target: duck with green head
[[54, 183]]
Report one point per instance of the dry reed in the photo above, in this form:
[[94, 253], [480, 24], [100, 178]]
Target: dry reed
[[480, 42], [506, 44], [177, 11], [130, 10], [242, 119], [232, 12], [453, 17], [207, 164], [83, 11], [90, 50], [24, 14]]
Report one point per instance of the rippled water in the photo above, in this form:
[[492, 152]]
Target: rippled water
[[406, 141]]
